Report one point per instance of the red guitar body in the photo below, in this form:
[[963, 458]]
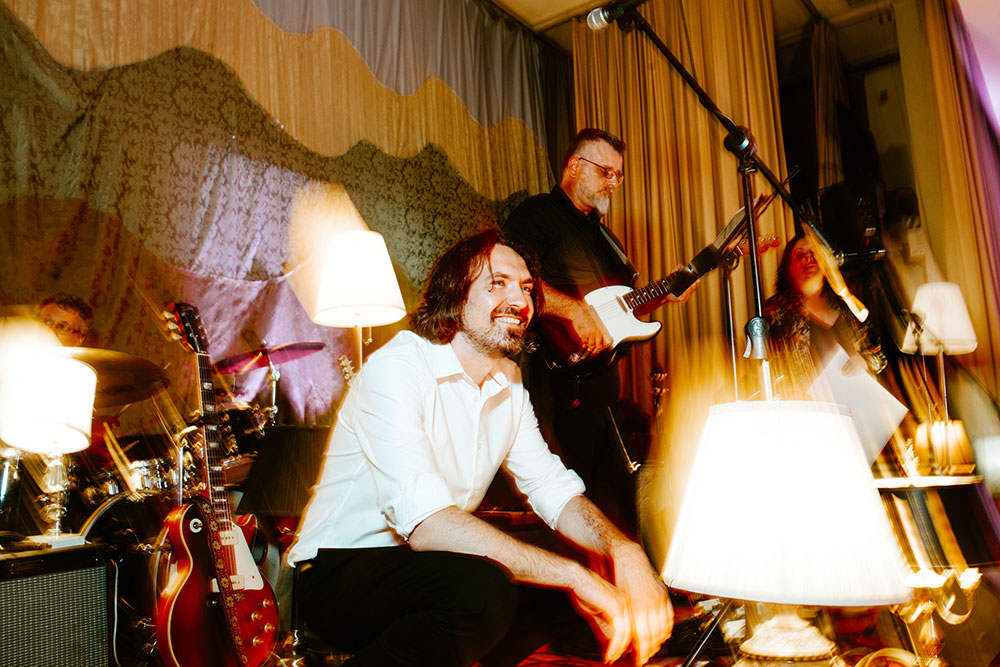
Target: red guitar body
[[191, 626]]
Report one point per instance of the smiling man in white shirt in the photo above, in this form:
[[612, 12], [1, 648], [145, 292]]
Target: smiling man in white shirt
[[393, 566]]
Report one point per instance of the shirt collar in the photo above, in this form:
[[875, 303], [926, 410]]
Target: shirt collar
[[444, 364]]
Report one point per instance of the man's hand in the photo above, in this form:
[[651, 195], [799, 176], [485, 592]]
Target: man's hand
[[593, 339], [607, 611], [652, 613], [687, 293], [855, 365]]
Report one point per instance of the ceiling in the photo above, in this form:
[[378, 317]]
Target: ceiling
[[860, 24]]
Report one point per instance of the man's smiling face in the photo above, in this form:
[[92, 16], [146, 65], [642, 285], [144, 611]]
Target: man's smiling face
[[499, 307]]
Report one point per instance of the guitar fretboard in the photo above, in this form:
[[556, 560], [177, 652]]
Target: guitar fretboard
[[214, 474]]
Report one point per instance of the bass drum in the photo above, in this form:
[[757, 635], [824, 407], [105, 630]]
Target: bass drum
[[126, 529]]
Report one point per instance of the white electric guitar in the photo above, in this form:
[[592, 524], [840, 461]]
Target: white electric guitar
[[617, 308]]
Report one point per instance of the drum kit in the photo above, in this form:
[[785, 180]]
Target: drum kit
[[118, 502]]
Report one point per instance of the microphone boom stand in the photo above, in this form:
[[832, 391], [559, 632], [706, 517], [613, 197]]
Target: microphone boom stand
[[739, 142]]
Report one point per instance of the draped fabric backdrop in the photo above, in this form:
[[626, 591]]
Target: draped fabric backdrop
[[682, 185], [153, 151], [956, 164], [829, 88]]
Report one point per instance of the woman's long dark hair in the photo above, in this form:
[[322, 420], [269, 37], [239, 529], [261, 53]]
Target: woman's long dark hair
[[439, 316]]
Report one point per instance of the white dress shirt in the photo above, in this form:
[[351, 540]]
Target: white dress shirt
[[415, 435]]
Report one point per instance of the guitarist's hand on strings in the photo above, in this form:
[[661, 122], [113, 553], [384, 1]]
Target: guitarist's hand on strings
[[593, 338]]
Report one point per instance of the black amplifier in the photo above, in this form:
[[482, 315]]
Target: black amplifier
[[54, 608]]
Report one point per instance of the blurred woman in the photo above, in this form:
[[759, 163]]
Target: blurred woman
[[809, 324]]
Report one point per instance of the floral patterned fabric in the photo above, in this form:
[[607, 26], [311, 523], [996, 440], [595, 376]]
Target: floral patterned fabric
[[162, 180]]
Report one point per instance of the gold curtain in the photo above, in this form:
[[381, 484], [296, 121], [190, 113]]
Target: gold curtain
[[316, 86], [682, 185], [957, 165], [829, 88]]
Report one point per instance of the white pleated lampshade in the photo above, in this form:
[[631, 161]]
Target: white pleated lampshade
[[944, 322], [357, 285], [47, 404], [781, 506]]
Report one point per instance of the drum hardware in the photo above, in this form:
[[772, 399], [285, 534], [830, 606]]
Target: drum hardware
[[268, 357]]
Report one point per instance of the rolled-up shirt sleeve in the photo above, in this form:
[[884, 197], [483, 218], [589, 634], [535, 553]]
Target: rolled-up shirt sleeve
[[389, 429], [538, 473]]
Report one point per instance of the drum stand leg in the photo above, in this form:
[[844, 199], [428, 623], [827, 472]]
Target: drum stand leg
[[273, 375]]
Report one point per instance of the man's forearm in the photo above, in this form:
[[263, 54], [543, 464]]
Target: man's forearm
[[586, 526], [452, 529], [559, 303]]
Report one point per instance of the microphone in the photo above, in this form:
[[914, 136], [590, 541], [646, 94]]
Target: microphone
[[602, 17]]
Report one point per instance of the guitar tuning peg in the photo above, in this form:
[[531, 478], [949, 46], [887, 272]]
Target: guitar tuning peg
[[167, 315], [175, 336]]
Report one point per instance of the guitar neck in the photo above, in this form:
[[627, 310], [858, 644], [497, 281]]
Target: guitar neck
[[213, 474], [644, 300]]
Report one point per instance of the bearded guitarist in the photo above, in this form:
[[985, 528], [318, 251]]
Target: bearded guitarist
[[577, 255]]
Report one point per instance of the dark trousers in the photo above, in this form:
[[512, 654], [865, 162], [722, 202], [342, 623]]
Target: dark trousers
[[575, 415], [394, 606]]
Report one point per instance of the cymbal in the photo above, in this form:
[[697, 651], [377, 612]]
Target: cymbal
[[121, 378], [262, 357]]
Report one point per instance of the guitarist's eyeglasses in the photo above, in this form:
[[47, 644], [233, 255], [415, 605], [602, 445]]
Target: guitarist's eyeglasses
[[607, 172]]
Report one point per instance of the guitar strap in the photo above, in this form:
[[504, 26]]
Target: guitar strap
[[229, 596], [616, 247]]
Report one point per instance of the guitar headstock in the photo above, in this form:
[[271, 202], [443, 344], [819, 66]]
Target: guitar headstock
[[185, 325], [346, 369]]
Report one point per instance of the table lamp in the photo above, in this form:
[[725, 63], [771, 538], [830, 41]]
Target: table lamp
[[357, 285], [940, 325], [46, 408], [781, 507]]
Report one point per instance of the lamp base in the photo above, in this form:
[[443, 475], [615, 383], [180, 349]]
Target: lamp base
[[787, 637], [57, 541]]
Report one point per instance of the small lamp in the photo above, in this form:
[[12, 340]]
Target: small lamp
[[781, 507], [46, 407], [357, 286], [941, 325], [941, 322]]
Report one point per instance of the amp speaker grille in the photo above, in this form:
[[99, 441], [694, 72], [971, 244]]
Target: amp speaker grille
[[57, 619]]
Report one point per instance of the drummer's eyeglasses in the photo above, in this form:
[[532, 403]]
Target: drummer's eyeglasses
[[607, 172], [62, 327]]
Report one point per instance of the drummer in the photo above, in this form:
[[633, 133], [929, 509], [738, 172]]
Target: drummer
[[69, 317]]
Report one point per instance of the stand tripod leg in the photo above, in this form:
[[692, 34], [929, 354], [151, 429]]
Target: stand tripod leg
[[707, 633]]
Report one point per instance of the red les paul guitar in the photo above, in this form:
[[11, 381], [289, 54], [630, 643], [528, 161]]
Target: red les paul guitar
[[216, 609]]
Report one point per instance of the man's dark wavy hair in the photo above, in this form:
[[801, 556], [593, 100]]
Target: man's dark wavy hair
[[439, 316]]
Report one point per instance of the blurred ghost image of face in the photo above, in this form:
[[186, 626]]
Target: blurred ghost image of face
[[67, 324], [803, 270]]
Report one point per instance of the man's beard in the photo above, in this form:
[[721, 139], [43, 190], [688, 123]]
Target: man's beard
[[601, 201], [498, 338]]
